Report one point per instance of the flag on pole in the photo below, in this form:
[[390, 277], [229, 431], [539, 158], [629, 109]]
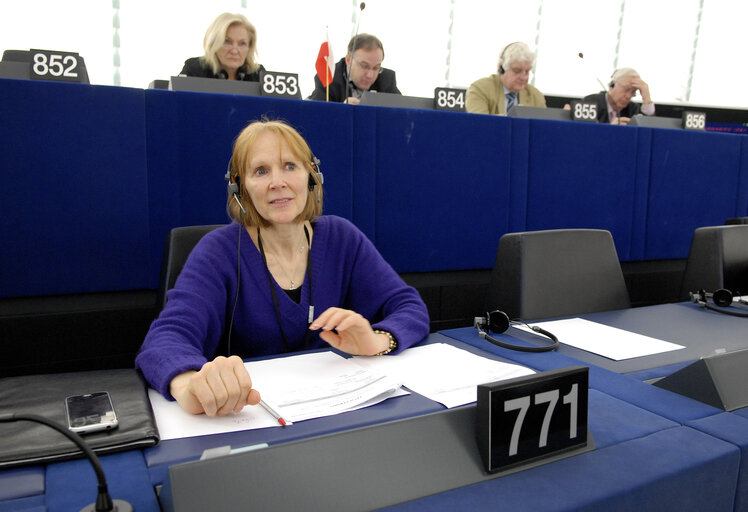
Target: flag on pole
[[325, 63]]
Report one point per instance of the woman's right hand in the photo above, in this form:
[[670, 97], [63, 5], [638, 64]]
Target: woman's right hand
[[221, 387]]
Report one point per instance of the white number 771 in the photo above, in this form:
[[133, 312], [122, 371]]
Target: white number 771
[[551, 398]]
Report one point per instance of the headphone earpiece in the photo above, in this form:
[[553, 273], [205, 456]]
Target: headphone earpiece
[[722, 298], [316, 172], [498, 322], [234, 182], [234, 188], [501, 57]]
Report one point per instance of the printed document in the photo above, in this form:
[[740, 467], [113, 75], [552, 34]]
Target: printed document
[[442, 372], [604, 340], [298, 387]]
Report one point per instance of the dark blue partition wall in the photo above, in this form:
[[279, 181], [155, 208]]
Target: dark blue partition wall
[[582, 175], [695, 180], [74, 191], [93, 178], [448, 179]]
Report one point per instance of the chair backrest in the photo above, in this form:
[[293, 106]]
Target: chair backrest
[[543, 274], [737, 220], [178, 245], [718, 259]]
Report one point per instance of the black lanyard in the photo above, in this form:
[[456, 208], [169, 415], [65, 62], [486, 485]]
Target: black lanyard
[[275, 297]]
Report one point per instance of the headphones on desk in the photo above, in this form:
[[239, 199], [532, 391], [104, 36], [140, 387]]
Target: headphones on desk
[[722, 298], [498, 322]]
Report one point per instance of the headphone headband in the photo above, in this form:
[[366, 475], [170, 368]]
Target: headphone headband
[[498, 322], [722, 298]]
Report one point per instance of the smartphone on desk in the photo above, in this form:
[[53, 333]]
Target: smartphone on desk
[[90, 413]]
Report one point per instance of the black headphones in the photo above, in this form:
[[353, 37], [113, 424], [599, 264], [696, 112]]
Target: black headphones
[[498, 322], [223, 75], [234, 188], [501, 57], [722, 298]]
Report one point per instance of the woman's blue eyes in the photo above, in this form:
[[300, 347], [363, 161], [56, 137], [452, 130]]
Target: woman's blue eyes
[[262, 171]]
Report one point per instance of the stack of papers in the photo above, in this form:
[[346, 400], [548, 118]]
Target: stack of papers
[[442, 372], [320, 384], [298, 387]]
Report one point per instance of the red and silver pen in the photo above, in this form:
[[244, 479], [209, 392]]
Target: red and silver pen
[[272, 411]]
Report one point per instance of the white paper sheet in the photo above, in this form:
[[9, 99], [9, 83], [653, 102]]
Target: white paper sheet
[[603, 340], [442, 372], [318, 384], [298, 387]]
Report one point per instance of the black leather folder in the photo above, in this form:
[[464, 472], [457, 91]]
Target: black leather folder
[[24, 442]]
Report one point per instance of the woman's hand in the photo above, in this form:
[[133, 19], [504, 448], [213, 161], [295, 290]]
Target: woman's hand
[[352, 332], [221, 387]]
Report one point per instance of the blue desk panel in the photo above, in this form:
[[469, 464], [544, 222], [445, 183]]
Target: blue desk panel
[[732, 428], [652, 473], [94, 176], [447, 175], [74, 192], [684, 174], [72, 485], [583, 175]]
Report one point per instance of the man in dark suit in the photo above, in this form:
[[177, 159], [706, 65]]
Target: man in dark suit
[[361, 70], [615, 106]]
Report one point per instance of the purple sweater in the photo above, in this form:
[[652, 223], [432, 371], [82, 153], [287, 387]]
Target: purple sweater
[[347, 272]]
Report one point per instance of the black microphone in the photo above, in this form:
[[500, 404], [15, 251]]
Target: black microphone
[[104, 501], [361, 6]]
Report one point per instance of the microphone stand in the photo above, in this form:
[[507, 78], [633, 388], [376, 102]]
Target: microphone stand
[[104, 501], [361, 6]]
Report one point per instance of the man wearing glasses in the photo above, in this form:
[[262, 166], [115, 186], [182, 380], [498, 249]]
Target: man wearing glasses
[[615, 105], [361, 70], [497, 93]]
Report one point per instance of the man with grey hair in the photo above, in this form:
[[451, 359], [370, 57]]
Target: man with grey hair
[[497, 93], [614, 106]]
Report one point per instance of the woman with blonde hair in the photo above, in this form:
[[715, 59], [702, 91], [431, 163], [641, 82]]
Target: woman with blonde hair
[[280, 278], [230, 46]]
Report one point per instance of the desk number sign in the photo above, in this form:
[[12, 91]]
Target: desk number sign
[[449, 99], [584, 111], [55, 65], [694, 120], [523, 420], [280, 85]]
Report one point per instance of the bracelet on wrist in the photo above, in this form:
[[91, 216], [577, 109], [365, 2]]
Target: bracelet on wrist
[[391, 338]]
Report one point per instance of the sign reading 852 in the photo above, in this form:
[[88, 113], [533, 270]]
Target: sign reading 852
[[55, 65]]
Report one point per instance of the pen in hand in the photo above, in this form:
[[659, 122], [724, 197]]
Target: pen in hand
[[273, 413]]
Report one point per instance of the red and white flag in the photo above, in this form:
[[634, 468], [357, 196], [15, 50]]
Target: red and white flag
[[325, 63]]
